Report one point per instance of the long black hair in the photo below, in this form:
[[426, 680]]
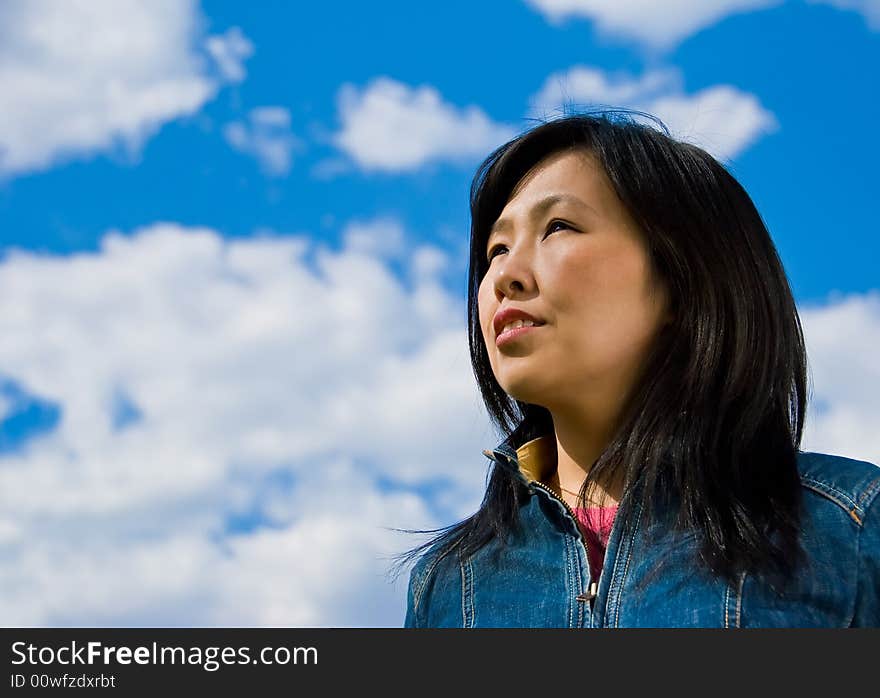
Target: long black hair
[[716, 419]]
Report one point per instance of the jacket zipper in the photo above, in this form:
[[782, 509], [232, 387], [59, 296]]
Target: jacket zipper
[[590, 595]]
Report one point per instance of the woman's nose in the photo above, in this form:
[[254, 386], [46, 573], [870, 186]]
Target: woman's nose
[[513, 274]]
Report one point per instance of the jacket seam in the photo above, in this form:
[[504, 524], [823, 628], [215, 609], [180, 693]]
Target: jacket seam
[[630, 538], [857, 595], [570, 575], [727, 606], [737, 607], [468, 608], [869, 493], [417, 592], [739, 598], [579, 582], [865, 499], [843, 500]]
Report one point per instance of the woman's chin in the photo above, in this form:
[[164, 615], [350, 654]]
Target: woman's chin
[[525, 391]]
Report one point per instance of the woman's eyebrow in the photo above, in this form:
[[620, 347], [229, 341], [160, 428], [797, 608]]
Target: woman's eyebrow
[[540, 209]]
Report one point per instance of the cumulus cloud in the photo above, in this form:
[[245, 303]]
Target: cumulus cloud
[[661, 25], [382, 237], [869, 9], [842, 336], [722, 119], [291, 402], [266, 135], [230, 50], [657, 24], [89, 77], [392, 127]]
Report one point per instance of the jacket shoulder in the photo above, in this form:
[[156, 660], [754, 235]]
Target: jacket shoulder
[[851, 484], [436, 563]]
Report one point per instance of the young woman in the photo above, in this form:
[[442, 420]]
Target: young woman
[[634, 336]]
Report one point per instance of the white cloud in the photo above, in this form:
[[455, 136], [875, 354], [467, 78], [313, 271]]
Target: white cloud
[[661, 25], [393, 127], [88, 77], [230, 50], [382, 237], [273, 378], [842, 336], [722, 119], [6, 406], [266, 135], [657, 24], [869, 9]]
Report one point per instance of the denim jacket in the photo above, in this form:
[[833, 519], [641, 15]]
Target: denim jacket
[[542, 577]]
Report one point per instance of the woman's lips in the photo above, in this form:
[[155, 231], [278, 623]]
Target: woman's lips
[[514, 334]]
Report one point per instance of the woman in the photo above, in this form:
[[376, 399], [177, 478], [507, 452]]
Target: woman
[[634, 336]]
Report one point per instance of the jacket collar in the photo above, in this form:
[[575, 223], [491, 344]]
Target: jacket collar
[[537, 458], [530, 460], [531, 457]]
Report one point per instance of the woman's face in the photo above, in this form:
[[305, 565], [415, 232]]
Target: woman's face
[[565, 251]]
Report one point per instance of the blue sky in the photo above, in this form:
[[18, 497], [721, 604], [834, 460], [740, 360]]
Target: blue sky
[[810, 65], [178, 181]]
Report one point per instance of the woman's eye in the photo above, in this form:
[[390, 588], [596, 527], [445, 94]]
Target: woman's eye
[[492, 252], [557, 225], [552, 227]]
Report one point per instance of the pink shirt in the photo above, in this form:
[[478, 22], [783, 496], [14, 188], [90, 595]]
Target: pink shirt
[[595, 524]]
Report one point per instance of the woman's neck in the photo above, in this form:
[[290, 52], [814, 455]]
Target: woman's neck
[[577, 448]]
